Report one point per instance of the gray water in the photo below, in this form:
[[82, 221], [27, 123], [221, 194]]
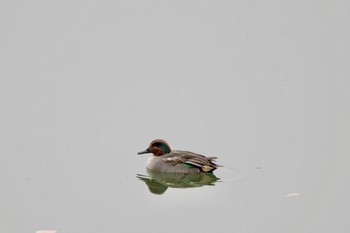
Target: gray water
[[262, 85]]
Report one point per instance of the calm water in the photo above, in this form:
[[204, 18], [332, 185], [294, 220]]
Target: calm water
[[262, 85]]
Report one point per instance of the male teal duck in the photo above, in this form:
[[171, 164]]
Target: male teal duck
[[177, 161]]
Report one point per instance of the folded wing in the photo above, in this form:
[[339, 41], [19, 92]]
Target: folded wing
[[204, 163]]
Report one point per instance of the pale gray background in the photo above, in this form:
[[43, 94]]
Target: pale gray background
[[264, 85]]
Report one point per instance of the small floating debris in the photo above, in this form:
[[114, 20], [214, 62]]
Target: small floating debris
[[293, 194]]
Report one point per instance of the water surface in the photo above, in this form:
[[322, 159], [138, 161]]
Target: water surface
[[261, 85]]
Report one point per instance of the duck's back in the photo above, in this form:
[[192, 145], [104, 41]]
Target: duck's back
[[181, 162]]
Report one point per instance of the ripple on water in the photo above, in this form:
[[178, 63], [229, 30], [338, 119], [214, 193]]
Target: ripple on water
[[228, 174]]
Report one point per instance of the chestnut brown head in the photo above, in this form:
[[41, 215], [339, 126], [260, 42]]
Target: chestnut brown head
[[157, 147]]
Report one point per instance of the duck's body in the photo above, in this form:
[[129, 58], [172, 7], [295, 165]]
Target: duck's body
[[177, 161]]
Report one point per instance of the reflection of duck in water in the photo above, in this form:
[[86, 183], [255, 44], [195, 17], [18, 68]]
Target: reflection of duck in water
[[158, 182], [176, 161]]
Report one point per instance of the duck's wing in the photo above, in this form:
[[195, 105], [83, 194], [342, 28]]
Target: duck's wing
[[206, 164]]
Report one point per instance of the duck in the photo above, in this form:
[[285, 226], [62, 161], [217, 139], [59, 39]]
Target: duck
[[164, 159]]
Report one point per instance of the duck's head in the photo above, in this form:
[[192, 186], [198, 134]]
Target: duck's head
[[157, 147]]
